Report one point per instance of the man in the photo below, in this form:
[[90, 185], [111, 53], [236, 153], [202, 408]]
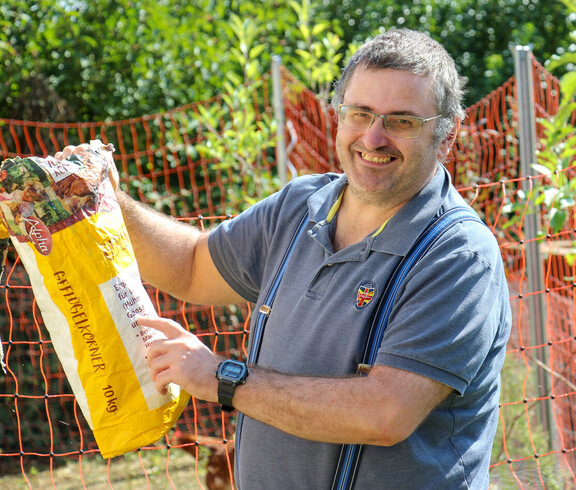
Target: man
[[426, 412]]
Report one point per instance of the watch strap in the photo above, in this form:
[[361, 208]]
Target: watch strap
[[227, 382], [226, 390]]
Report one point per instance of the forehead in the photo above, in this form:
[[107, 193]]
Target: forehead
[[390, 91]]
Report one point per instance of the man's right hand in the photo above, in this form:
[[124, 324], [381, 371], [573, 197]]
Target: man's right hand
[[78, 150], [71, 149]]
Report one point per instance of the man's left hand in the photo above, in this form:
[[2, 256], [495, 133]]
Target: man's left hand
[[181, 358]]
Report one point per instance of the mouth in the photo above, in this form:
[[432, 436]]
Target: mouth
[[376, 159]]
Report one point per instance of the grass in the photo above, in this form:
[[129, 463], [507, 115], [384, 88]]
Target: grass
[[525, 434], [153, 469], [159, 468]]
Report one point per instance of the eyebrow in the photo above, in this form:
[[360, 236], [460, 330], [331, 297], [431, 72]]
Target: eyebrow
[[394, 113]]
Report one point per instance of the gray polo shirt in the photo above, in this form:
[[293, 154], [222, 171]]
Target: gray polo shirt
[[450, 322]]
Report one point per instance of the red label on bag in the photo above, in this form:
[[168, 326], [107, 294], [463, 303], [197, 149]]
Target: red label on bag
[[39, 235]]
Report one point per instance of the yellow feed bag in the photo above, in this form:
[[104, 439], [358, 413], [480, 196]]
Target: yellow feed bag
[[67, 228]]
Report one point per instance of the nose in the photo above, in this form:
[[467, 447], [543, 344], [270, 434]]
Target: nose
[[376, 135]]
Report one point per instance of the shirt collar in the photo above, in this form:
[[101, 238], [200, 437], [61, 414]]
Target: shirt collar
[[404, 227], [324, 199]]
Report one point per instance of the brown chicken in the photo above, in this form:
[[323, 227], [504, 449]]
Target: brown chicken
[[220, 466]]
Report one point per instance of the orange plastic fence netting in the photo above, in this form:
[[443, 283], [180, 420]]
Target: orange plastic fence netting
[[43, 429]]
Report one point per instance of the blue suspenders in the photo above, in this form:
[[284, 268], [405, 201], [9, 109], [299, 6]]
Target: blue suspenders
[[254, 348], [350, 453], [267, 306]]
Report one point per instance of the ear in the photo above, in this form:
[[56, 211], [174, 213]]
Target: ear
[[445, 146]]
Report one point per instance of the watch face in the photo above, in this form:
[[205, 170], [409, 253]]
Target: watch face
[[232, 369]]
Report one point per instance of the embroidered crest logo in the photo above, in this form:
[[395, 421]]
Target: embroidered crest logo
[[365, 294]]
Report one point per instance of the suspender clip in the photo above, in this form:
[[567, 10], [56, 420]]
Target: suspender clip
[[364, 369], [265, 309]]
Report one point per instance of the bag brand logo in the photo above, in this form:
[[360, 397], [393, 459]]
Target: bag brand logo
[[365, 294], [39, 235]]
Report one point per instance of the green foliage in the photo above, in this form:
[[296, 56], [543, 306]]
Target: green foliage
[[241, 139], [319, 50], [78, 60], [476, 33], [238, 139], [552, 194], [125, 58], [558, 146], [75, 60]]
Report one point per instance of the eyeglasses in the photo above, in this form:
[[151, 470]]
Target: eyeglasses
[[397, 126]]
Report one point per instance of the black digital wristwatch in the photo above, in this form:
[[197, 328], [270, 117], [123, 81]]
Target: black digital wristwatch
[[230, 373]]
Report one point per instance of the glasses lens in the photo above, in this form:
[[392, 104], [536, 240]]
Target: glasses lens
[[355, 118], [403, 126], [398, 126]]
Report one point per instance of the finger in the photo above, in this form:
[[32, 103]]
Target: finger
[[168, 327], [67, 151], [113, 175], [155, 350], [161, 379], [161, 389], [81, 148]]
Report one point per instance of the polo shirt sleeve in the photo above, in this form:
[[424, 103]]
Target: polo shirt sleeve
[[248, 249], [451, 310], [239, 247]]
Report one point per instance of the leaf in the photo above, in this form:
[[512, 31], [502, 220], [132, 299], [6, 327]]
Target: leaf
[[90, 41], [541, 169], [568, 86], [557, 219], [571, 4], [252, 69], [256, 51], [305, 30], [562, 60], [320, 28], [568, 152], [305, 55], [296, 7], [4, 46]]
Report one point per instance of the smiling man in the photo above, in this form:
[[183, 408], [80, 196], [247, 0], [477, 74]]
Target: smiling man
[[386, 145], [423, 412]]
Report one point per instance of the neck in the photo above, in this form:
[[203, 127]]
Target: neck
[[371, 211], [357, 219]]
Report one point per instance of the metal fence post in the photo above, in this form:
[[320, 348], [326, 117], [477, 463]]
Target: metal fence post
[[278, 104], [534, 258]]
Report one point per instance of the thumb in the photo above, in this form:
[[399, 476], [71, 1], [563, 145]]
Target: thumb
[[169, 328], [113, 175]]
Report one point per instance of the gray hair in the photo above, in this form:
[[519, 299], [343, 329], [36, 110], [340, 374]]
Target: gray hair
[[404, 49]]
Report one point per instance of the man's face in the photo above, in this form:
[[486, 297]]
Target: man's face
[[382, 169]]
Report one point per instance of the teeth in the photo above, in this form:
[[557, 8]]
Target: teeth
[[373, 159]]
